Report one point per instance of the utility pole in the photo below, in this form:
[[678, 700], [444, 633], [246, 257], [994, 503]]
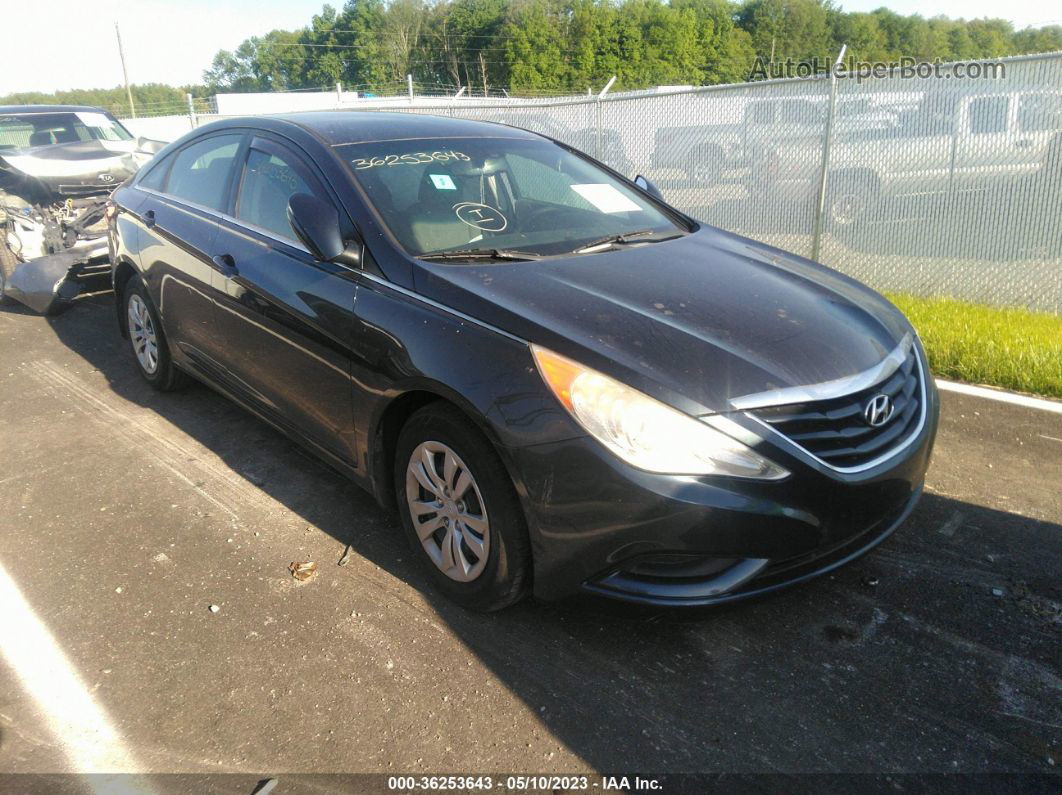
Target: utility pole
[[125, 74]]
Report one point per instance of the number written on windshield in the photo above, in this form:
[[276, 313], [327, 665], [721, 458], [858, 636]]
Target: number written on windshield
[[410, 159]]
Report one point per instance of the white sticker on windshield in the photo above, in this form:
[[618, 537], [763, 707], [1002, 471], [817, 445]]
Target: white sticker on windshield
[[93, 119], [442, 182], [606, 198]]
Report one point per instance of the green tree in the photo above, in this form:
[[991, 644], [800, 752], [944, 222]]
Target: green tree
[[797, 29], [726, 51], [535, 48]]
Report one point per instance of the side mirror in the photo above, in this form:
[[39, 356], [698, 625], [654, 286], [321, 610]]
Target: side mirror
[[648, 187], [316, 224]]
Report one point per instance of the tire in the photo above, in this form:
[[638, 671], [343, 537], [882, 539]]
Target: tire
[[849, 200], [8, 261], [146, 337], [706, 168], [488, 567]]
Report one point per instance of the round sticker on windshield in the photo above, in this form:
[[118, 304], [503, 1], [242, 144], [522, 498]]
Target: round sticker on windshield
[[481, 216]]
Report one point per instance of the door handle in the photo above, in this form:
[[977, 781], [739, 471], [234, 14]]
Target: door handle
[[226, 265], [149, 219]]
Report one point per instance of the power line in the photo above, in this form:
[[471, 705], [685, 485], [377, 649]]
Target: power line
[[429, 44]]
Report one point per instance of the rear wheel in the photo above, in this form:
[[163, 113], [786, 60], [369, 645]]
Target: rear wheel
[[147, 340], [459, 510], [706, 167], [849, 200]]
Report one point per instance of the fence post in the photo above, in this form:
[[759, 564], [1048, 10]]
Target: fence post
[[457, 96], [597, 104], [409, 84], [820, 204], [191, 111]]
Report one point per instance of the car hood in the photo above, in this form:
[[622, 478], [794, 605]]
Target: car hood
[[121, 159], [696, 322]]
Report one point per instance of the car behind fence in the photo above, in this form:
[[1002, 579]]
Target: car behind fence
[[946, 185]]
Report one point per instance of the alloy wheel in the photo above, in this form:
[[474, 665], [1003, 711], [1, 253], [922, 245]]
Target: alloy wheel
[[847, 208], [447, 510], [703, 173], [142, 335]]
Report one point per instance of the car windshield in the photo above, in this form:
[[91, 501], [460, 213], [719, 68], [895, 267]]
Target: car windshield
[[530, 196], [22, 130]]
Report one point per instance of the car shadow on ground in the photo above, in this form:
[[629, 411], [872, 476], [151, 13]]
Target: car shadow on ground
[[934, 653]]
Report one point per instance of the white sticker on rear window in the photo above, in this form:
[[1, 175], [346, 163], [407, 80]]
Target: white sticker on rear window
[[606, 198], [93, 119], [442, 182]]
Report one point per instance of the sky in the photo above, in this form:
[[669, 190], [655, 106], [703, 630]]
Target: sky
[[60, 44]]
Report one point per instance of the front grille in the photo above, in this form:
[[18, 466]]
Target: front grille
[[85, 190], [836, 430]]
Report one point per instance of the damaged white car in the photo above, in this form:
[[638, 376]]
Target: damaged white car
[[58, 166]]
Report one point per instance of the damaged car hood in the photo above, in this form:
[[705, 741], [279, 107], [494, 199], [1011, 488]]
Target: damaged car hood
[[697, 322], [84, 164]]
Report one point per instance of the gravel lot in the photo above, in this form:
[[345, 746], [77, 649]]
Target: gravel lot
[[126, 514]]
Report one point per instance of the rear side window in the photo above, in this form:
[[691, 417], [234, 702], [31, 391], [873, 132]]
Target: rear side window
[[268, 182], [200, 172], [155, 177]]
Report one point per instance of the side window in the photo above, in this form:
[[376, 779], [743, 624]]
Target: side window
[[1038, 112], [760, 113], [155, 177], [269, 180], [200, 172], [988, 115], [799, 112]]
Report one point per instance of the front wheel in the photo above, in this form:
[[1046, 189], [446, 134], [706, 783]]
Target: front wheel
[[849, 201], [459, 510]]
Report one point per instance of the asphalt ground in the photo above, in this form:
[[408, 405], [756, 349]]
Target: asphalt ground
[[126, 514]]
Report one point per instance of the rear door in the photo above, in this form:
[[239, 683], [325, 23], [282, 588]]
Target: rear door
[[284, 320], [178, 230]]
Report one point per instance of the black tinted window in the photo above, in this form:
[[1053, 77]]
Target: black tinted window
[[156, 175], [268, 182], [200, 172]]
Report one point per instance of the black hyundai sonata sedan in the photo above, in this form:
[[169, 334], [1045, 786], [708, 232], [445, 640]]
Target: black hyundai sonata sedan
[[562, 383]]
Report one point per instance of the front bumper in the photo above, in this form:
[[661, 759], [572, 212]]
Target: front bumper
[[50, 284], [600, 526]]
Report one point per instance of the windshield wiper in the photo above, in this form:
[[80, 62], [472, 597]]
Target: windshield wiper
[[622, 239], [482, 253]]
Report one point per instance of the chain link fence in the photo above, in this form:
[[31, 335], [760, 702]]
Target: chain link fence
[[940, 185], [946, 185]]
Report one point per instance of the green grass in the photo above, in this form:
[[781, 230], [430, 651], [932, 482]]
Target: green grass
[[1008, 347]]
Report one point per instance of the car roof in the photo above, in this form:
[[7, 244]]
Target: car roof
[[51, 109], [358, 126]]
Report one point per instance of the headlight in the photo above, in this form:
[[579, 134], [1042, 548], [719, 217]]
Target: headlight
[[644, 432]]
